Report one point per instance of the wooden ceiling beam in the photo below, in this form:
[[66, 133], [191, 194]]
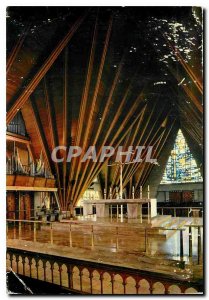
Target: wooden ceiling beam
[[116, 180], [135, 167], [115, 119], [40, 132], [24, 96], [83, 103], [186, 66], [131, 169], [65, 110], [190, 94], [103, 119], [17, 48], [100, 165], [94, 99], [116, 168], [150, 166], [159, 150], [53, 135]]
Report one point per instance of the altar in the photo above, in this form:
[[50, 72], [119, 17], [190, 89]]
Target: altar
[[134, 207]]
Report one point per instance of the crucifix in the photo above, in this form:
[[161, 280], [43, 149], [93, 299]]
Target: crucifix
[[120, 164]]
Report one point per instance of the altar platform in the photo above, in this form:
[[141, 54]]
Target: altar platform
[[134, 207]]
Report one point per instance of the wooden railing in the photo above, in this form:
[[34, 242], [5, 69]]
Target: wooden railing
[[88, 277]]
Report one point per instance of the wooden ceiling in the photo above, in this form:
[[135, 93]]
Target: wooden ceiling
[[104, 76]]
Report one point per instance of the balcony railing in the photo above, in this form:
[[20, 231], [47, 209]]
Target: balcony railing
[[87, 277]]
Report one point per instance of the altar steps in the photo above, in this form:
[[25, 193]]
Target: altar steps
[[123, 229]]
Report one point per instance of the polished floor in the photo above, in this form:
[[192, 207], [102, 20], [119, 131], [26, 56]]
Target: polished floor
[[148, 245], [121, 243]]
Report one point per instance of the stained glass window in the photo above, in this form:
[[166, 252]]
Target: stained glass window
[[181, 166]]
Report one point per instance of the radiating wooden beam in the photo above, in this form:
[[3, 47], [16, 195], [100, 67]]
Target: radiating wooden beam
[[158, 151], [155, 155], [116, 168], [17, 48], [24, 96], [94, 99], [191, 95], [41, 136], [99, 166], [132, 168], [135, 167], [53, 136], [83, 103], [103, 119], [65, 109], [132, 142], [186, 66], [119, 130]]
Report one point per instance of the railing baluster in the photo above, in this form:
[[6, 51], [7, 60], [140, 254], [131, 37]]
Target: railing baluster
[[11, 259], [117, 246], [52, 271], [44, 267], [101, 282], [145, 238], [51, 233], [23, 264], [34, 232], [112, 282], [70, 276], [190, 241], [60, 273], [137, 287], [16, 254], [181, 245], [166, 286], [92, 236], [81, 275], [199, 244], [124, 285], [70, 235], [91, 277], [17, 263], [151, 287], [30, 263], [37, 265], [20, 231]]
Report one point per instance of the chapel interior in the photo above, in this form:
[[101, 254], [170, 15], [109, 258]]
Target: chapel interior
[[104, 76]]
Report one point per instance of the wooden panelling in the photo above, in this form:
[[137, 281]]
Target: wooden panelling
[[30, 181], [21, 208], [10, 179], [10, 204], [28, 203], [22, 180], [38, 181], [50, 182]]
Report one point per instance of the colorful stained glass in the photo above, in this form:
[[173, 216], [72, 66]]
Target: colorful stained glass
[[181, 166]]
